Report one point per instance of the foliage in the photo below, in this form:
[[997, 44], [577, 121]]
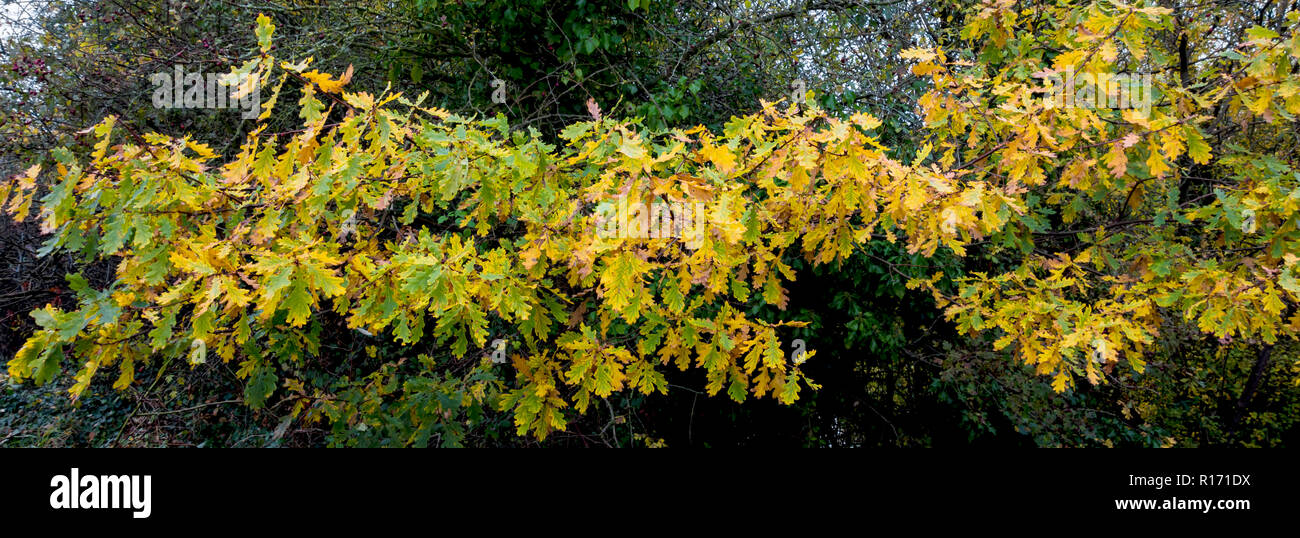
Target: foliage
[[241, 259], [1102, 249]]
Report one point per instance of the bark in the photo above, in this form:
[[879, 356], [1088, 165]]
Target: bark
[[1252, 385]]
